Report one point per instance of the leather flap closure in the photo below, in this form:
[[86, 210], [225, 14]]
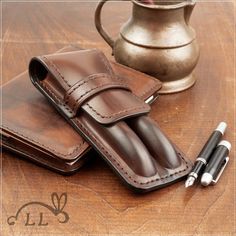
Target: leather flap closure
[[84, 79], [89, 87], [114, 105]]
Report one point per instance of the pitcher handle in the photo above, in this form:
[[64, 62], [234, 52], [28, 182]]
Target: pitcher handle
[[99, 26], [188, 10]]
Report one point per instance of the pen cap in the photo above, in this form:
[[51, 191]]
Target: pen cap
[[226, 144], [221, 127], [217, 163], [218, 157]]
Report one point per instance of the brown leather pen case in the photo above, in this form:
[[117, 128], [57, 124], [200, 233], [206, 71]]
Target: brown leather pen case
[[32, 128], [103, 108]]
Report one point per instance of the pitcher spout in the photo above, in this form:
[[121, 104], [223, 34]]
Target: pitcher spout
[[188, 10]]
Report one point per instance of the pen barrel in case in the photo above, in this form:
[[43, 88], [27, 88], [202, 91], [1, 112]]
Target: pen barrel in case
[[217, 160]]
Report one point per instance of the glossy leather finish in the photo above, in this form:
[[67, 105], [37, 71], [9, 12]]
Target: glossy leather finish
[[112, 119], [32, 128]]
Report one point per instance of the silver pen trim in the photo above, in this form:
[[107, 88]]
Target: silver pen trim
[[221, 127], [214, 181]]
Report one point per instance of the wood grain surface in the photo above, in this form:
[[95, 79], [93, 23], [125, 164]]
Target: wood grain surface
[[98, 203]]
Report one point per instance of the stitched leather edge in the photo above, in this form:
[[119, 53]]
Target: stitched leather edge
[[71, 110], [75, 150], [153, 87], [74, 107], [58, 100], [55, 68], [106, 62], [117, 113], [157, 83], [57, 71], [138, 108], [46, 164], [120, 166], [80, 83]]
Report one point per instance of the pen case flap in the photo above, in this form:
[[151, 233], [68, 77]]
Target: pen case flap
[[86, 90], [112, 119]]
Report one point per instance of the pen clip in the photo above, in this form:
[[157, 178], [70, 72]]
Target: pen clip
[[215, 180]]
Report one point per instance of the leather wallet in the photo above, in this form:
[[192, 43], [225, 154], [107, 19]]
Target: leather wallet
[[33, 129], [104, 110]]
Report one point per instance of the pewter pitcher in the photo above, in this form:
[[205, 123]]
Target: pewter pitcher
[[157, 40]]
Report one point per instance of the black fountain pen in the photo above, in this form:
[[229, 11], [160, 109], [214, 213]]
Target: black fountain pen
[[205, 154]]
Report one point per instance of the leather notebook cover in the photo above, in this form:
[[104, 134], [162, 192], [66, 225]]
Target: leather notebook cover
[[33, 129], [104, 109]]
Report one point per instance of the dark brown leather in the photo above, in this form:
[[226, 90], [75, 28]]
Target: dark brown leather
[[33, 129], [102, 108]]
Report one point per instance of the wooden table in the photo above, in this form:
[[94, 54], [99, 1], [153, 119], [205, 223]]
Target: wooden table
[[97, 201]]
